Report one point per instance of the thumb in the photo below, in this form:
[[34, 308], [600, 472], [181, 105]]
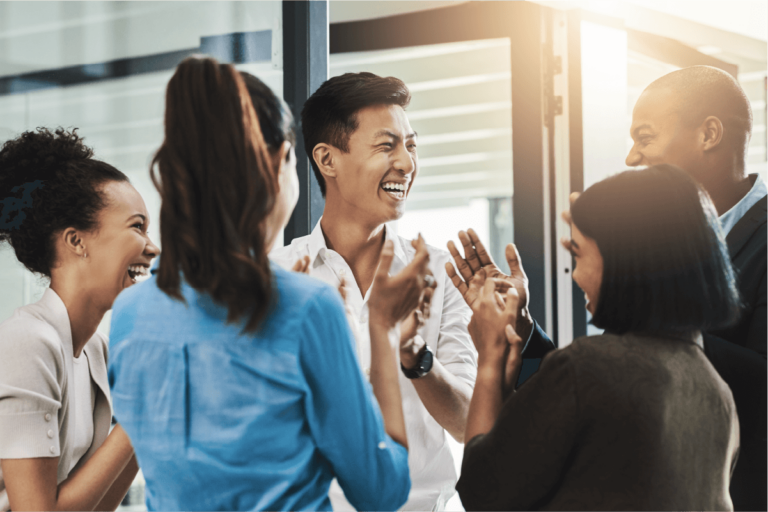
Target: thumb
[[513, 260], [385, 262], [510, 305]]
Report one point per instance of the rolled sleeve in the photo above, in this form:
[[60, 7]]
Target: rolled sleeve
[[30, 394], [343, 415], [455, 349]]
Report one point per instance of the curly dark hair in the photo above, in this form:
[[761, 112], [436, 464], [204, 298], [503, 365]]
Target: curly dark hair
[[49, 181]]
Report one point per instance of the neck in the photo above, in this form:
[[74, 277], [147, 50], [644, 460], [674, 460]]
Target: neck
[[726, 188], [358, 243], [84, 313]]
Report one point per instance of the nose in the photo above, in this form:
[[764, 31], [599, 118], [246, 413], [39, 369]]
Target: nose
[[405, 161], [151, 249], [634, 158]]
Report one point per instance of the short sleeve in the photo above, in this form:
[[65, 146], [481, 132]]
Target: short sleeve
[[343, 415], [519, 461], [455, 349], [31, 369]]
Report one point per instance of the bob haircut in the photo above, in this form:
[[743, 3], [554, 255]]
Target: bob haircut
[[666, 266], [217, 178]]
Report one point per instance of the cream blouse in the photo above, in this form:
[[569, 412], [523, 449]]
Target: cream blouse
[[38, 393]]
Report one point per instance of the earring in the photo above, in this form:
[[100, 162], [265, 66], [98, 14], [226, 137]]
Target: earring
[[85, 255]]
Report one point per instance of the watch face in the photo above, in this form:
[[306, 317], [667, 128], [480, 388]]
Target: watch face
[[426, 361]]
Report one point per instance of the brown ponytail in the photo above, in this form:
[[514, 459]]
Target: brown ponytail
[[218, 184]]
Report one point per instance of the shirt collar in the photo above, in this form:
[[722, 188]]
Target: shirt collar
[[734, 215], [317, 247]]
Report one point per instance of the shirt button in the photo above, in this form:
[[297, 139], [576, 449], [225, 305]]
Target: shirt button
[[50, 434], [342, 272], [382, 445], [53, 449], [47, 417], [368, 372]]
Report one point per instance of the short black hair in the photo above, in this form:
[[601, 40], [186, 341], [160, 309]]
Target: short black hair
[[666, 267], [49, 181], [704, 91], [329, 114]]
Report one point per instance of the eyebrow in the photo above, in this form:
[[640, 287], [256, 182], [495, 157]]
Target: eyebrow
[[641, 127], [387, 133], [138, 215]]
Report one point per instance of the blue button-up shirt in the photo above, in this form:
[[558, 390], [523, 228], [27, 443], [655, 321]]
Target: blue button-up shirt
[[222, 420]]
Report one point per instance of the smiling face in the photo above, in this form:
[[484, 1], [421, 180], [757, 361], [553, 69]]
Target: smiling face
[[119, 249], [588, 272], [660, 136], [375, 177]]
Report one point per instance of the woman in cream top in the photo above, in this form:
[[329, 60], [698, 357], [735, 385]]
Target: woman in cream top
[[78, 222]]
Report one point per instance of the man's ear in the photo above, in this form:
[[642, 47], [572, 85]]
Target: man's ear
[[324, 155], [711, 133]]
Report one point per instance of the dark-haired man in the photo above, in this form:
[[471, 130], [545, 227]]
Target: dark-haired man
[[699, 119], [363, 153]]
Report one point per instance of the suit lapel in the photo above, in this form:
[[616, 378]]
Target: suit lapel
[[743, 230]]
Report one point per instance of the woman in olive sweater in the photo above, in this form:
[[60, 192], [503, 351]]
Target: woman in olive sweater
[[635, 418]]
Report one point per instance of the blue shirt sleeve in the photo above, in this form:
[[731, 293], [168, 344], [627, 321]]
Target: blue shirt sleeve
[[344, 417]]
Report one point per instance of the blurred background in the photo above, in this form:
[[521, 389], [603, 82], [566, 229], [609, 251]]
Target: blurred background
[[516, 103]]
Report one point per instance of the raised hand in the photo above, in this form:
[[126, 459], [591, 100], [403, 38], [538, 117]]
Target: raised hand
[[476, 257], [566, 215], [491, 315], [394, 298], [302, 265]]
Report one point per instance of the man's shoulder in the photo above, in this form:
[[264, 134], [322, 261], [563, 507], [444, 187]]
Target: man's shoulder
[[287, 255]]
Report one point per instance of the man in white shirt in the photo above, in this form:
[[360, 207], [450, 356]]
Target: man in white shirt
[[363, 153]]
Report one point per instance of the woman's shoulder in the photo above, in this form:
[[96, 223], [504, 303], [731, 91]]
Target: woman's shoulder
[[29, 331], [300, 292]]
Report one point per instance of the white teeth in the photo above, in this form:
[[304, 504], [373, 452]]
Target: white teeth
[[138, 269], [394, 186]]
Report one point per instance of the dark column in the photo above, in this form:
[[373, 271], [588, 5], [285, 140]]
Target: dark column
[[305, 68], [527, 151], [576, 134]]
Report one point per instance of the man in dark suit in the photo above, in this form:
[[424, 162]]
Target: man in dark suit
[[699, 119]]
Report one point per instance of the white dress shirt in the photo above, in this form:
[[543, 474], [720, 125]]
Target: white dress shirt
[[433, 475]]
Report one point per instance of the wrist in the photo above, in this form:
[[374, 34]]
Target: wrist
[[524, 324], [490, 359]]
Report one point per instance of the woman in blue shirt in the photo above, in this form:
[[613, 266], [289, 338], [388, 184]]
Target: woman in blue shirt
[[237, 381]]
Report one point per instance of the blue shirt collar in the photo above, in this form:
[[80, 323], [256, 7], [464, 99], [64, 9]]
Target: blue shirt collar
[[734, 215]]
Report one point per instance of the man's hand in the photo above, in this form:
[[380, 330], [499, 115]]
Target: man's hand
[[566, 215], [477, 258], [394, 298]]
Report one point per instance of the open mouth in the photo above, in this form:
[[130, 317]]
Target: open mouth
[[394, 189], [138, 272]]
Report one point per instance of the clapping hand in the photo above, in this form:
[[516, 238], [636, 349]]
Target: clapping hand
[[302, 265], [396, 298], [491, 329], [476, 258]]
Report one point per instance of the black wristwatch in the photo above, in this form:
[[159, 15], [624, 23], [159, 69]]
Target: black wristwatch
[[423, 366]]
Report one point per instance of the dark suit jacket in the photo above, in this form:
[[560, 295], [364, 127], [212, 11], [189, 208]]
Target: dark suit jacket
[[739, 355], [609, 423]]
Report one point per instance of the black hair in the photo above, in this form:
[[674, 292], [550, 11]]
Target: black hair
[[703, 91], [666, 266], [275, 118], [328, 115], [49, 181]]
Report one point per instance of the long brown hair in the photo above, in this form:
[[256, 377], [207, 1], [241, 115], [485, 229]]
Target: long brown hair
[[218, 183]]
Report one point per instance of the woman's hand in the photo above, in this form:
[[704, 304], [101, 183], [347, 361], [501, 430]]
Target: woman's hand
[[394, 298], [491, 315], [302, 265], [476, 258]]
